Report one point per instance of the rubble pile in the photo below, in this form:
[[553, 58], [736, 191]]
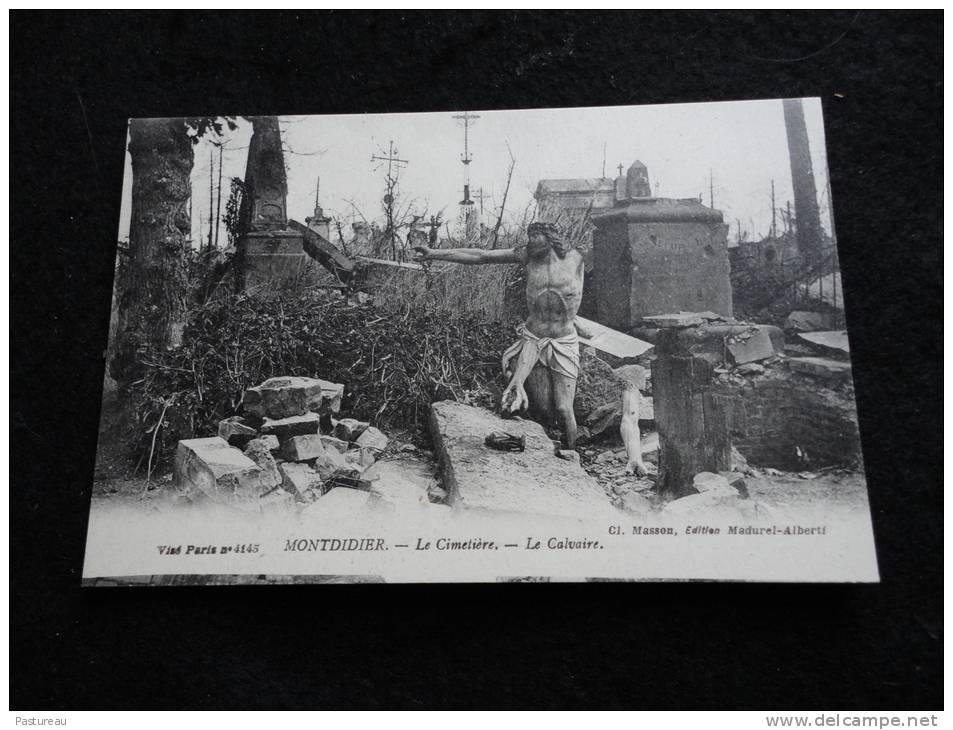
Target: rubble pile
[[287, 448]]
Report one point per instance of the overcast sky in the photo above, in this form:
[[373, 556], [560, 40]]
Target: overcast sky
[[742, 143]]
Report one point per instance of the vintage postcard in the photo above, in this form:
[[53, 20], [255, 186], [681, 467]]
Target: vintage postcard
[[541, 344]]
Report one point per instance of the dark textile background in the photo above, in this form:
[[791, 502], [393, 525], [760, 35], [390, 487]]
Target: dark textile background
[[75, 80]]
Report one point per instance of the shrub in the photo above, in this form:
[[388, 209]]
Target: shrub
[[394, 361]]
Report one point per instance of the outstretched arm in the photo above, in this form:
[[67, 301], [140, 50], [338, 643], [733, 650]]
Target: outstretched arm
[[467, 255]]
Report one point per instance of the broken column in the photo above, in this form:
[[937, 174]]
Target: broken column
[[691, 421], [655, 255]]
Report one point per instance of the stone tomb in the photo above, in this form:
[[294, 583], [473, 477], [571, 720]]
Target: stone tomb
[[655, 255]]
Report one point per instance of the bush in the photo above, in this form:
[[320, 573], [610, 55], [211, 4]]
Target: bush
[[394, 362]]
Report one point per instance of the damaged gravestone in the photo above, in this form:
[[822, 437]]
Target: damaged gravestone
[[533, 481], [282, 397]]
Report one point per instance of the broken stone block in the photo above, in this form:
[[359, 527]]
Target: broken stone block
[[372, 438], [259, 451], [635, 503], [293, 396], [349, 429], [299, 478], [833, 340], [533, 481], [821, 367], [211, 467], [334, 443], [676, 320], [236, 431], [303, 448], [285, 428], [328, 463], [799, 321], [758, 345]]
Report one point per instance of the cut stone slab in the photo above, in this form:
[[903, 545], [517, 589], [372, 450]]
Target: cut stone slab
[[303, 448], [833, 339], [285, 428], [757, 346], [534, 481], [293, 396], [260, 452], [404, 482], [349, 429], [372, 438], [236, 431], [211, 467], [299, 478], [799, 321], [678, 319], [613, 342], [820, 367]]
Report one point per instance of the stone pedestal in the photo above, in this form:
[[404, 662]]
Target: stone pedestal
[[268, 262], [654, 255]]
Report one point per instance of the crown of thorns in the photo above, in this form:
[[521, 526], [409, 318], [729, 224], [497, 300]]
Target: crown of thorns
[[542, 228]]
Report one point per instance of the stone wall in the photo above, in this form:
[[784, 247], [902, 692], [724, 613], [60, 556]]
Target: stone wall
[[790, 421]]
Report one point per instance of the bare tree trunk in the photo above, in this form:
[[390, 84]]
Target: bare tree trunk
[[153, 286]]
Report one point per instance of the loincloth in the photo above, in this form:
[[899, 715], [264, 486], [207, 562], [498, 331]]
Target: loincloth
[[559, 354]]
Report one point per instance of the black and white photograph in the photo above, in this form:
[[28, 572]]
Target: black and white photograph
[[475, 359], [538, 344]]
